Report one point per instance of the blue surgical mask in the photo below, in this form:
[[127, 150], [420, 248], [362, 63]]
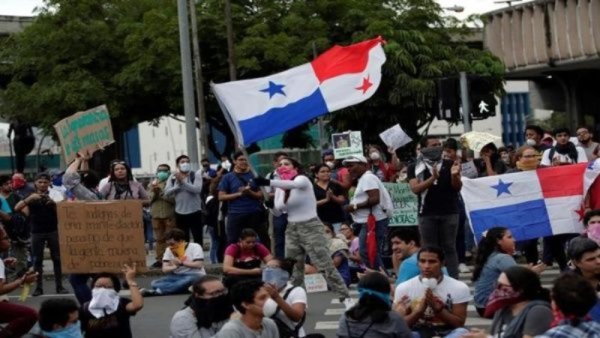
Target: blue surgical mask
[[383, 296], [71, 331], [275, 276], [185, 167], [57, 181]]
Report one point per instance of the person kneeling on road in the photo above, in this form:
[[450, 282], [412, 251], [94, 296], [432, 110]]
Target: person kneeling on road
[[182, 262]]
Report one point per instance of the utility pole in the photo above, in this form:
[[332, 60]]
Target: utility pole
[[199, 82], [188, 83], [466, 105], [230, 46]]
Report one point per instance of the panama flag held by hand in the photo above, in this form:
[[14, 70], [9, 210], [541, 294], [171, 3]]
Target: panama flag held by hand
[[340, 77]]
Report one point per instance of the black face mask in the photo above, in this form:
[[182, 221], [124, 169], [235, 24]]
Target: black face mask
[[432, 154], [209, 311]]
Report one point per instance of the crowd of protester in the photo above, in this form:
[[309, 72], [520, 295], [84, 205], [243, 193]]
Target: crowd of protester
[[331, 219]]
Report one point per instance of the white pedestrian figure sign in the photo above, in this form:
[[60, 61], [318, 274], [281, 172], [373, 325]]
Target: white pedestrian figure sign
[[483, 107]]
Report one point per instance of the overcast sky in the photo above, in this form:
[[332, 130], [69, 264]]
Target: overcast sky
[[25, 7]]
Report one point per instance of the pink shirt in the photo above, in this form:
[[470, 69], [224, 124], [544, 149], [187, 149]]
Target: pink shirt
[[260, 252]]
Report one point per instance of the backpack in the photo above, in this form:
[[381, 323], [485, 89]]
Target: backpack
[[284, 330]]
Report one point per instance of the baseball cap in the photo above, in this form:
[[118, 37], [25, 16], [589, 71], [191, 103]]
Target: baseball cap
[[355, 159]]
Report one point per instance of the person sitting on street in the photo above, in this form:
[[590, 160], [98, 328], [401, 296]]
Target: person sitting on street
[[519, 304], [431, 303], [354, 261], [573, 297], [373, 315], [207, 310], [249, 298], [20, 318], [338, 249], [59, 318], [585, 256], [406, 244], [287, 305], [107, 314], [243, 259], [183, 263]]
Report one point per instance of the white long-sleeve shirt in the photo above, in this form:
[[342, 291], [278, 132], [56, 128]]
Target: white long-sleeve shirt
[[301, 206]]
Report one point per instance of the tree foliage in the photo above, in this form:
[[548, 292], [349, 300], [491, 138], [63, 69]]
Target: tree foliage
[[78, 54]]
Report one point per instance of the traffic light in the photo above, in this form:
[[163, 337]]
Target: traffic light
[[446, 103], [482, 99]]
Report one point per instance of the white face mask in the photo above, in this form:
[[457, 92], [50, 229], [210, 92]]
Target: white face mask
[[330, 164], [430, 283], [402, 176], [185, 167], [104, 302], [269, 308], [530, 142], [226, 165], [375, 156]]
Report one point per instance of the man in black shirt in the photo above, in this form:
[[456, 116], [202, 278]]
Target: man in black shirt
[[437, 183]]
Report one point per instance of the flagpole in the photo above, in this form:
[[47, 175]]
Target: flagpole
[[320, 119]]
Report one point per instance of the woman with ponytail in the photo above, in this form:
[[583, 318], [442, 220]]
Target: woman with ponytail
[[494, 256], [520, 306]]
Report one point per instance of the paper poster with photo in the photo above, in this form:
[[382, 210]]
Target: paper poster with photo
[[347, 144], [395, 137]]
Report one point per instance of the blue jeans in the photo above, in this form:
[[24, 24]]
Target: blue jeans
[[279, 226], [174, 284], [214, 244], [380, 229]]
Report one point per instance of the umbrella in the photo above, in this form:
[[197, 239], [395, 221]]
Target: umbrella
[[476, 140]]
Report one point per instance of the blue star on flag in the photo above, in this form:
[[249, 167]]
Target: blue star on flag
[[502, 187], [273, 89]]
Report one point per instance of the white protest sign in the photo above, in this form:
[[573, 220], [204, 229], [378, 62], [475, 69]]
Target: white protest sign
[[468, 169], [347, 144], [315, 283], [395, 137]]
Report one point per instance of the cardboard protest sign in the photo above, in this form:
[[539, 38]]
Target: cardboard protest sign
[[405, 204], [315, 283], [85, 131], [395, 137], [347, 144], [100, 236]]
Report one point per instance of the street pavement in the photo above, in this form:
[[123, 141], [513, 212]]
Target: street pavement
[[323, 313]]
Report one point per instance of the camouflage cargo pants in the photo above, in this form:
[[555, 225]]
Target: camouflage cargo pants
[[308, 238]]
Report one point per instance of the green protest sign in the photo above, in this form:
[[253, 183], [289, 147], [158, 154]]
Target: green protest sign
[[405, 204], [85, 131]]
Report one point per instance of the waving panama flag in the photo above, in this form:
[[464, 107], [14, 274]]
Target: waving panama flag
[[342, 76], [532, 204]]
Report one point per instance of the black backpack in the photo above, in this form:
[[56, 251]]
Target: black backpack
[[284, 330]]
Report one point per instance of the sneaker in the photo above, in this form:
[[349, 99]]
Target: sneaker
[[61, 291], [463, 268], [37, 292], [348, 303]]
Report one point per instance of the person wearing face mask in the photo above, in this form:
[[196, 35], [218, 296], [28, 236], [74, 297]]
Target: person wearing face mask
[[57, 190], [436, 182], [186, 188], [373, 315], [564, 152], [206, 311], [107, 314], [183, 264], [20, 185], [287, 305], [377, 163], [520, 306], [279, 222], [249, 298], [59, 318], [226, 163], [304, 234], [533, 138], [16, 224], [162, 209], [490, 163]]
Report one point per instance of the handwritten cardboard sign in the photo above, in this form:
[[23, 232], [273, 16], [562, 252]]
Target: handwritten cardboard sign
[[405, 204], [85, 131], [315, 283], [347, 144], [100, 236]]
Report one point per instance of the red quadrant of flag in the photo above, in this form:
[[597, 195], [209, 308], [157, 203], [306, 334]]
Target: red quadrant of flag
[[343, 60], [562, 181]]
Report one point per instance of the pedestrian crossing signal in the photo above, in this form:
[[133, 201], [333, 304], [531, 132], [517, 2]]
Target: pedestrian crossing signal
[[482, 99]]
